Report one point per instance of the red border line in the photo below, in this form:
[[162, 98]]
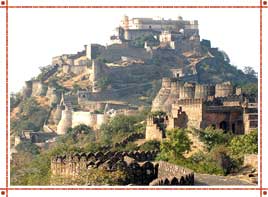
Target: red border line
[[130, 188], [134, 188], [261, 98], [97, 6], [7, 101]]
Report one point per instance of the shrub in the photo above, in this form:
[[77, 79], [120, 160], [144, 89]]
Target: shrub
[[27, 146], [96, 177], [120, 124], [150, 145], [217, 161]]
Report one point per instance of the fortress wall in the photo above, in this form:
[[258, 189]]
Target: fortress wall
[[97, 70], [162, 95], [223, 90], [116, 51], [101, 119], [201, 91], [187, 91], [81, 61], [78, 69], [152, 132], [194, 109], [57, 115], [160, 99], [65, 122], [171, 174], [133, 34], [82, 117], [50, 72], [166, 169], [91, 105]]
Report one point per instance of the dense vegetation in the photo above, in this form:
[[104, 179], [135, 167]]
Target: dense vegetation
[[223, 155], [224, 151], [120, 126]]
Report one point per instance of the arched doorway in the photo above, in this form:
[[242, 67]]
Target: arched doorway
[[223, 126]]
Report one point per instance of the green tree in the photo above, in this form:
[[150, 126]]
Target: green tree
[[250, 88], [175, 146], [118, 124], [250, 71], [139, 41], [213, 137], [245, 144]]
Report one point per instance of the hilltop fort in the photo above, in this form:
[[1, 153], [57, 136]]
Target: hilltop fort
[[151, 63]]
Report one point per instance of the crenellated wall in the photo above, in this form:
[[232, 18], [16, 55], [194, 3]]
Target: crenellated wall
[[137, 166], [224, 89]]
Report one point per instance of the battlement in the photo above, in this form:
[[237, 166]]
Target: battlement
[[224, 89], [104, 156], [185, 102], [137, 172]]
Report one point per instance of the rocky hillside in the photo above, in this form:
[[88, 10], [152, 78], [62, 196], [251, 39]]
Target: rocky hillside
[[131, 75]]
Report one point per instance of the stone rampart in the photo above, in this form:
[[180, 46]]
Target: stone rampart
[[77, 69], [171, 174], [50, 72], [142, 172]]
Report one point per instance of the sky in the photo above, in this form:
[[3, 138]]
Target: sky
[[37, 35]]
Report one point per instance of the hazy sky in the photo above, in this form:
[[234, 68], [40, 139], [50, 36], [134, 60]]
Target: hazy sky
[[36, 35]]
